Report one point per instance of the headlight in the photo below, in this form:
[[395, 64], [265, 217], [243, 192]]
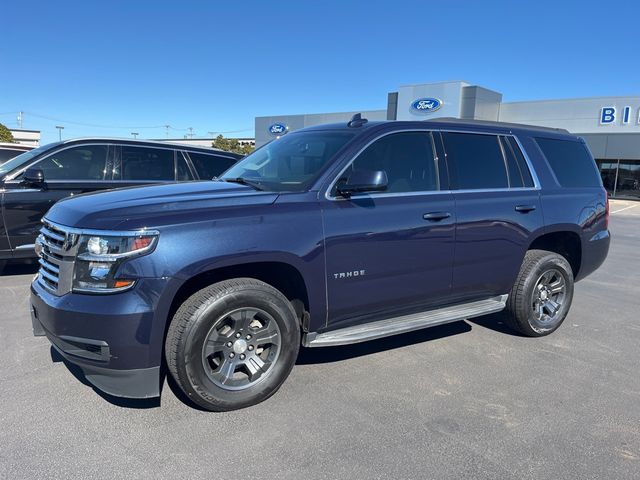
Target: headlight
[[99, 257]]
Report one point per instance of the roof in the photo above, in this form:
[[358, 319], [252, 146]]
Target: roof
[[489, 123], [444, 122], [130, 141]]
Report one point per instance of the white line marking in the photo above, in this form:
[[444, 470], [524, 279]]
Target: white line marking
[[625, 208]]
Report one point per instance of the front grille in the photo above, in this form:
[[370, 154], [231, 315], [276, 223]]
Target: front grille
[[57, 255]]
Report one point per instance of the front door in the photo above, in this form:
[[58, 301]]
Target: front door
[[70, 171], [390, 252]]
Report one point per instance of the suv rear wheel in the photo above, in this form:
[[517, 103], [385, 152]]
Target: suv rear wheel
[[232, 344], [541, 297]]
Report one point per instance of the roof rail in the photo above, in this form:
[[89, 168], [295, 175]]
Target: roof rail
[[489, 123]]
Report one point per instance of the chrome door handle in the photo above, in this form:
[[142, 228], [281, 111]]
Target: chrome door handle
[[525, 208], [436, 216]]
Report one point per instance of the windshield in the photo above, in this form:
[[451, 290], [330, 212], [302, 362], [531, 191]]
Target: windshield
[[17, 162], [289, 163]]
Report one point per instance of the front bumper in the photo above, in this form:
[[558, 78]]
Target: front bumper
[[115, 339]]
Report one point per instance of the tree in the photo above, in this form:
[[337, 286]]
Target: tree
[[6, 135], [231, 145]]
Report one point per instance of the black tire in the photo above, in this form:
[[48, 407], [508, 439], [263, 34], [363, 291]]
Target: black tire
[[201, 323], [532, 300]]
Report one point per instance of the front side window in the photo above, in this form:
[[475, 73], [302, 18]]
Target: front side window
[[406, 157], [292, 162], [210, 166], [84, 162], [146, 163], [477, 160]]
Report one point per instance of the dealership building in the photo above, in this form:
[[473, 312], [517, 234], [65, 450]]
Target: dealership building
[[609, 125]]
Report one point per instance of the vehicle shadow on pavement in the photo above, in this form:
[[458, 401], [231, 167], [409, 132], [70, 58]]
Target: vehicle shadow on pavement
[[136, 403], [496, 322], [310, 356], [22, 268]]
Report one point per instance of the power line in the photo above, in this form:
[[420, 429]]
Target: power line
[[120, 127]]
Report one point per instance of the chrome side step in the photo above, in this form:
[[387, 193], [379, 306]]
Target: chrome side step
[[405, 323]]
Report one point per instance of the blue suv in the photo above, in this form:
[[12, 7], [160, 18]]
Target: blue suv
[[329, 235]]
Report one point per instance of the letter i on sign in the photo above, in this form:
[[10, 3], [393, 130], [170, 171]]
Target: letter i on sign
[[626, 114]]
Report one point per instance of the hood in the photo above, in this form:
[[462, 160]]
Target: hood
[[154, 206]]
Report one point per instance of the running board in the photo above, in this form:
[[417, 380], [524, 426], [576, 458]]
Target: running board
[[405, 323]]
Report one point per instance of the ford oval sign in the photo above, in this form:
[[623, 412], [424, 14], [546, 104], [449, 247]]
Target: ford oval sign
[[426, 105], [278, 129]]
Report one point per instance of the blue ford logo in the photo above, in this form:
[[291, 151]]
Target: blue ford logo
[[426, 105], [278, 129]]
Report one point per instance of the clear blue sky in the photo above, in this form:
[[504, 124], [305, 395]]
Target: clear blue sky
[[215, 65]]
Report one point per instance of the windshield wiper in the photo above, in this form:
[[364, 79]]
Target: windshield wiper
[[244, 181]]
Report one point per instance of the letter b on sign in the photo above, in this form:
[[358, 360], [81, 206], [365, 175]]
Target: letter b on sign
[[608, 115]]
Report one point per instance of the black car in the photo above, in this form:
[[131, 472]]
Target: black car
[[11, 150], [33, 181]]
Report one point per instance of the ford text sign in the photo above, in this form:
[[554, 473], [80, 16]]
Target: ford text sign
[[426, 105], [278, 129]]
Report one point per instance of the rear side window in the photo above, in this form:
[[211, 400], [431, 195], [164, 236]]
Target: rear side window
[[477, 160], [519, 174], [571, 162], [143, 163], [209, 166]]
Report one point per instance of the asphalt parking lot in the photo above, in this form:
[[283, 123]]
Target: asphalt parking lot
[[466, 400]]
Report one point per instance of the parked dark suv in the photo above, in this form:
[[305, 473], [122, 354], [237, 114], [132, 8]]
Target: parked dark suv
[[32, 182], [329, 235]]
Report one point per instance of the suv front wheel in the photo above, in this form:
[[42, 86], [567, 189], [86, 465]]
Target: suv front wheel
[[541, 297], [232, 344]]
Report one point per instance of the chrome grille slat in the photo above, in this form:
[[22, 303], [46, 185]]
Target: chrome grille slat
[[51, 234], [49, 266], [57, 257]]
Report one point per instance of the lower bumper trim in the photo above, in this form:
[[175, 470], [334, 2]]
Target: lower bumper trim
[[135, 383]]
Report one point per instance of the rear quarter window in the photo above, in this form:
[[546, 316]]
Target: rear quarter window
[[571, 162], [209, 166]]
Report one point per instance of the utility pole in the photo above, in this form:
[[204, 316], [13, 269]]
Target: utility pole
[[167, 127], [60, 128], [135, 135], [191, 132], [20, 119]]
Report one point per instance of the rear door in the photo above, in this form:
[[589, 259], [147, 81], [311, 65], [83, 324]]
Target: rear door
[[497, 209]]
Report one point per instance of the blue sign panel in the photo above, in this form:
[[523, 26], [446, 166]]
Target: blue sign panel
[[278, 129], [426, 105]]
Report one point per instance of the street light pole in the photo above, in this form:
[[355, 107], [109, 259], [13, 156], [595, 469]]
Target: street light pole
[[60, 128], [135, 135]]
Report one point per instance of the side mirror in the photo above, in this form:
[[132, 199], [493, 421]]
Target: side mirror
[[33, 176], [364, 181]]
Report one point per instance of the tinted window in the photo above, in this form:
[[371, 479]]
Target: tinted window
[[145, 163], [292, 162], [84, 162], [209, 166], [406, 157], [182, 170], [6, 154], [477, 160], [571, 162], [512, 147]]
